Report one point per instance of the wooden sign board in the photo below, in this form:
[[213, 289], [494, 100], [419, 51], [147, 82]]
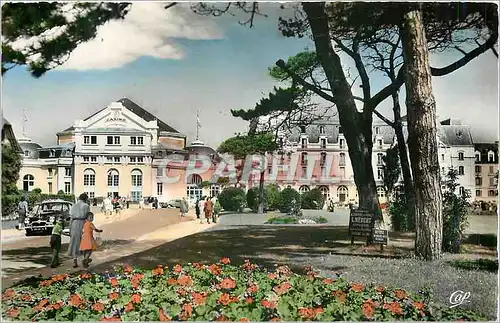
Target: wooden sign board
[[379, 236], [360, 223]]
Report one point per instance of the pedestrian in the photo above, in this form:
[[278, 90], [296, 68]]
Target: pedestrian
[[155, 203], [197, 209], [128, 202], [184, 207], [208, 208], [22, 210], [201, 206], [78, 215], [55, 242], [88, 243], [217, 209]]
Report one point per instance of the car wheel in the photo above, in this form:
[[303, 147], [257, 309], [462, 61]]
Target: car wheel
[[29, 232]]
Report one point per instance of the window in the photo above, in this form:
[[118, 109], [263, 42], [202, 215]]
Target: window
[[89, 177], [133, 160], [214, 190], [93, 140], [304, 142], [491, 156], [460, 156], [91, 195], [86, 159], [323, 172], [478, 156], [159, 189], [26, 153], [479, 181], [133, 140], [109, 140], [379, 159], [303, 189], [51, 173], [322, 160], [109, 159], [492, 193], [321, 130], [270, 169], [90, 140], [113, 140], [380, 174], [304, 172], [303, 158], [86, 140], [136, 177], [116, 159], [93, 159], [493, 181], [478, 169], [341, 143], [67, 171], [442, 157], [478, 192], [379, 142], [442, 170], [342, 159], [461, 170], [159, 172], [113, 178], [136, 195], [461, 190], [325, 191], [380, 191], [67, 187], [195, 179], [50, 188], [140, 140], [492, 169], [140, 159], [342, 172], [323, 143], [342, 193], [377, 130]]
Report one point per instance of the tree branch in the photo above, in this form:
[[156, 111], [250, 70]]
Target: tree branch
[[281, 64], [378, 114], [387, 91], [171, 4]]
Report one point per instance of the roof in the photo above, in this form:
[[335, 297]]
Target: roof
[[8, 133], [139, 111], [31, 147], [455, 135], [484, 149]]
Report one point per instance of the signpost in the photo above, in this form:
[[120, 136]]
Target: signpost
[[361, 225]]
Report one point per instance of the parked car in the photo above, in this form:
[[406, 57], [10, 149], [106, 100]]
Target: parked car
[[174, 203], [44, 215]]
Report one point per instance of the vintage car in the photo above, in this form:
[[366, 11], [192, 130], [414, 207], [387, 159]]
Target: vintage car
[[44, 215]]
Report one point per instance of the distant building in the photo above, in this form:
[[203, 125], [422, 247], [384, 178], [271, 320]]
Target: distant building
[[8, 136], [486, 172]]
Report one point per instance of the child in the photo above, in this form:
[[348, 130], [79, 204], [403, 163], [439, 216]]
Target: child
[[88, 243], [55, 242]]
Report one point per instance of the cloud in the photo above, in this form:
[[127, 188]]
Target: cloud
[[147, 30]]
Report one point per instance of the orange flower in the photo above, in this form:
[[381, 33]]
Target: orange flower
[[85, 276], [136, 298], [267, 304], [199, 298], [177, 268], [271, 276], [282, 288], [368, 310], [222, 318], [13, 312], [328, 281], [128, 269], [42, 305], [310, 313], [129, 307], [228, 283], [9, 293], [98, 307], [418, 305], [113, 296], [110, 319], [244, 319], [253, 289], [249, 300], [59, 277], [214, 269], [380, 289], [46, 282], [400, 294], [181, 292], [394, 308], [225, 261], [172, 281], [339, 295], [162, 316], [357, 287], [188, 309], [157, 271], [185, 280], [226, 299], [75, 300], [26, 297], [113, 282], [56, 306]]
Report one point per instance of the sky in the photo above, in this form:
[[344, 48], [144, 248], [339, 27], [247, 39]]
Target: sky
[[174, 62]]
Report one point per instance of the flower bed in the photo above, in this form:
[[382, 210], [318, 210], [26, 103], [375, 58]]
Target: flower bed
[[297, 220], [216, 292]]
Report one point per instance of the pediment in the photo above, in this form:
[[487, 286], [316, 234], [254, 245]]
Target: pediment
[[116, 116]]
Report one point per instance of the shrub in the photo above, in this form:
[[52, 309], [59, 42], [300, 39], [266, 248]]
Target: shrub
[[282, 220], [253, 198], [216, 292], [273, 196], [321, 219], [286, 197], [400, 219], [454, 214], [232, 199], [312, 200]]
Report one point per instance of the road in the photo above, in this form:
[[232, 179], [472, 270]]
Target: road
[[21, 253]]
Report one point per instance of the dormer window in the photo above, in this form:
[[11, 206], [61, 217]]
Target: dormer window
[[321, 130], [26, 153], [52, 153], [478, 156], [379, 142], [491, 156]]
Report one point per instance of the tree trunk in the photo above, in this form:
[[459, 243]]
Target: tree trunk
[[260, 209], [403, 159], [357, 130], [422, 136]]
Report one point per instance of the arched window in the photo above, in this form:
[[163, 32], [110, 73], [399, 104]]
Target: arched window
[[491, 156], [461, 155], [89, 177], [461, 191], [461, 170], [195, 179], [342, 193], [303, 189], [214, 190], [325, 191], [193, 189], [28, 182], [478, 156], [113, 178], [380, 191], [136, 177]]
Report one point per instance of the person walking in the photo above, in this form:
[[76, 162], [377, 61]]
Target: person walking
[[55, 242], [184, 207], [197, 209], [217, 209], [201, 206], [88, 243], [22, 210], [78, 213], [208, 208]]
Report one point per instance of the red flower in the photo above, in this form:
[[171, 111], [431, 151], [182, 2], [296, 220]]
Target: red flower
[[129, 307], [199, 298], [418, 305], [282, 288], [267, 304], [310, 313], [128, 269], [98, 307], [136, 298], [56, 306], [46, 282], [157, 271], [13, 312], [394, 308], [42, 305], [357, 287], [226, 299], [225, 261], [368, 309], [188, 309], [113, 282], [400, 294], [162, 316], [113, 296], [253, 289], [85, 276], [185, 280], [249, 300], [172, 281], [214, 269], [59, 277], [228, 283], [380, 289], [9, 293], [271, 276], [177, 268], [26, 297], [75, 300]]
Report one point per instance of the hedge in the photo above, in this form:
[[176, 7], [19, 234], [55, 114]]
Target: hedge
[[286, 197]]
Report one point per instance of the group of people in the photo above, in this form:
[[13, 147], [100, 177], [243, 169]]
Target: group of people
[[149, 203], [82, 240], [114, 204], [210, 209]]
